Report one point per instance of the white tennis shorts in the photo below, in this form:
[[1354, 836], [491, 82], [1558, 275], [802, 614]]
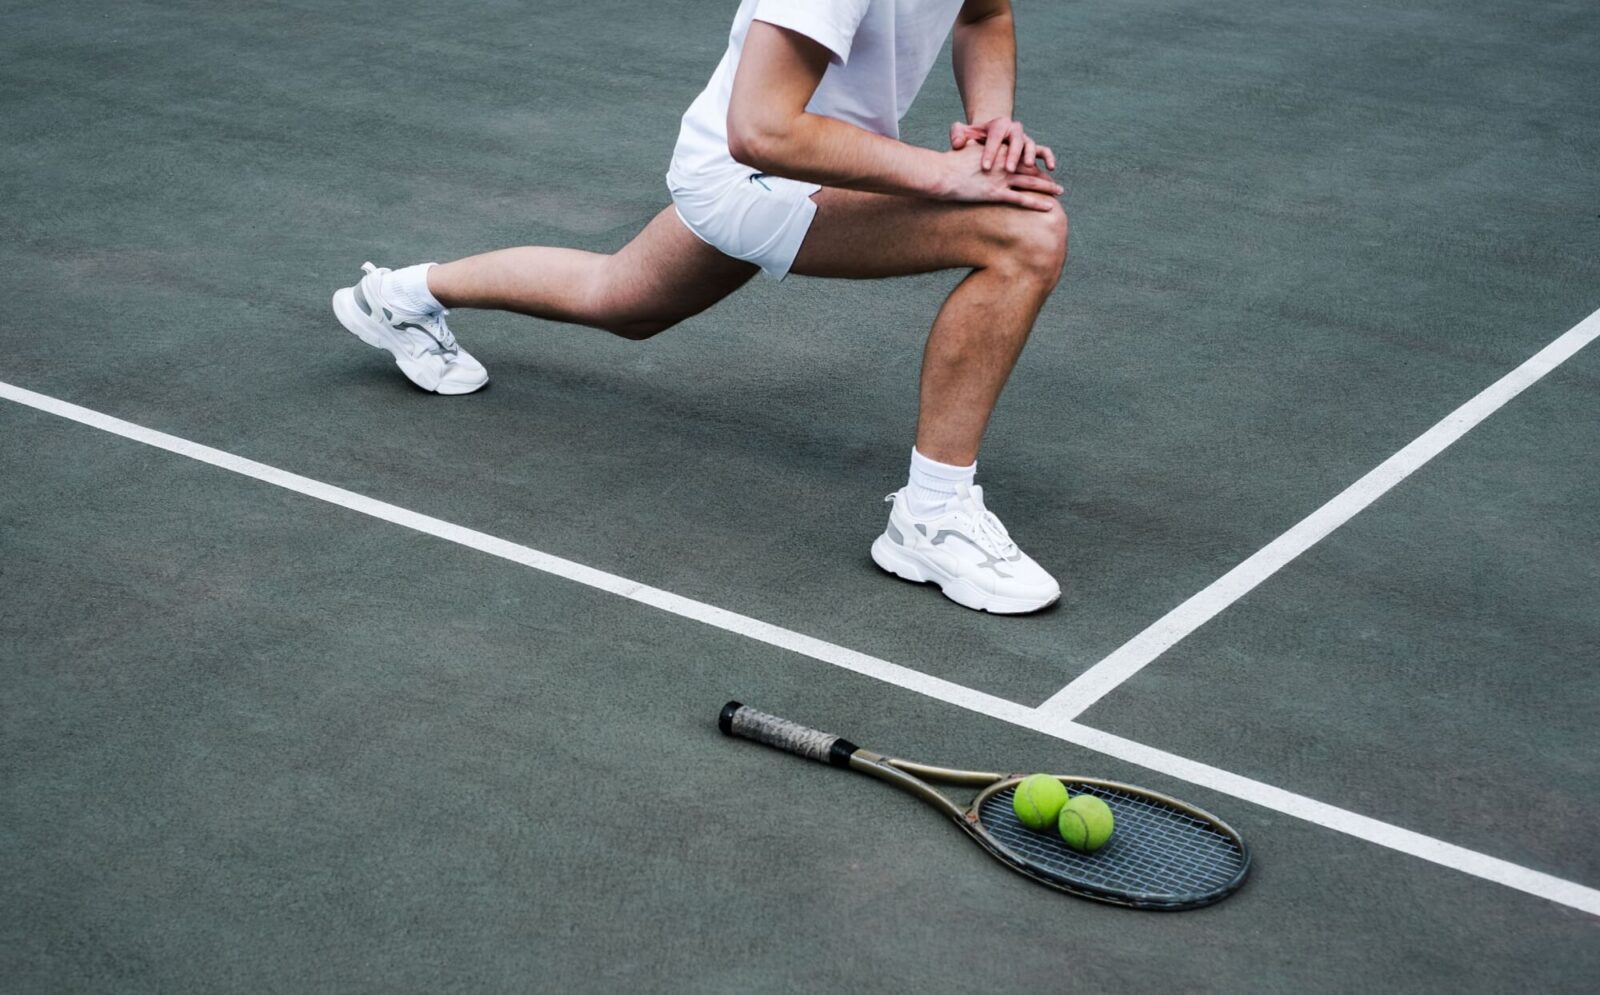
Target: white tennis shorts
[[747, 215]]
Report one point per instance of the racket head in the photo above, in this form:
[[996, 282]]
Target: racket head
[[1163, 854]]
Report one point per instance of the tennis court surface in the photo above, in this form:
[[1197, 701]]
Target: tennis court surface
[[310, 680]]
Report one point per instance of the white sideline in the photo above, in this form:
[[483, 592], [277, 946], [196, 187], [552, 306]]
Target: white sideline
[[1134, 655], [1437, 851], [1471, 862]]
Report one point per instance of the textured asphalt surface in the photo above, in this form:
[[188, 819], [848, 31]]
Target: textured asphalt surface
[[251, 741]]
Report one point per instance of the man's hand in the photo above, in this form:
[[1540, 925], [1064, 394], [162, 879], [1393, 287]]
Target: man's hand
[[968, 178], [1004, 142]]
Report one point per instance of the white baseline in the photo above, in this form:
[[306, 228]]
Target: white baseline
[[1137, 653], [1437, 851]]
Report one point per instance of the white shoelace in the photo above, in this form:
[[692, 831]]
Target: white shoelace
[[990, 533], [447, 338]]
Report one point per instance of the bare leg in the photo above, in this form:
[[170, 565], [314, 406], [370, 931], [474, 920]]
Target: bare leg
[[1016, 256], [663, 276]]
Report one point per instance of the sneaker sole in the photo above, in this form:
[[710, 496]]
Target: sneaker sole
[[907, 565], [374, 333]]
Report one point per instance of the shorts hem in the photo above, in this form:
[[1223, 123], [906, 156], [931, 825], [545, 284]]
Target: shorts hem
[[776, 254], [785, 245]]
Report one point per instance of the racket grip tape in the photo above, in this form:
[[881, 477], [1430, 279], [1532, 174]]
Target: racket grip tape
[[748, 723]]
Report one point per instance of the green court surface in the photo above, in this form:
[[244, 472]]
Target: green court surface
[[257, 734]]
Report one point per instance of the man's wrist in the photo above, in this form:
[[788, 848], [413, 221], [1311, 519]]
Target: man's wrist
[[986, 114], [933, 176]]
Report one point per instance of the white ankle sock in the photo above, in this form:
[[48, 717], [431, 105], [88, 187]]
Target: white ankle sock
[[933, 483], [408, 289]]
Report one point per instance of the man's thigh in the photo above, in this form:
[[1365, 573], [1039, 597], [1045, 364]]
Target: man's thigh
[[667, 273], [858, 235]]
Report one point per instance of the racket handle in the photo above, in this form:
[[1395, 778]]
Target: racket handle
[[744, 721]]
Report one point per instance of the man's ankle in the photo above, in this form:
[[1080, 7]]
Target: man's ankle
[[407, 288], [932, 484]]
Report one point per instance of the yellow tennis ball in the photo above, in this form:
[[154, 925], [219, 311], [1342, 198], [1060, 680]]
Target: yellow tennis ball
[[1086, 823], [1038, 800]]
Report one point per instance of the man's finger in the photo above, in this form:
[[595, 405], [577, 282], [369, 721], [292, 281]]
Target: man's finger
[[995, 135], [1030, 151], [1043, 184], [1031, 201], [1049, 157], [1015, 139], [958, 135]]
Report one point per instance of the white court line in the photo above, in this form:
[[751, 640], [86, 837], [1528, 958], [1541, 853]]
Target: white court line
[[1437, 851], [883, 670], [1471, 862], [1134, 655]]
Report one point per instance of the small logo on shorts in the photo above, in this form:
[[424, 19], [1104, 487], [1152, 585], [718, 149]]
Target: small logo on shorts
[[756, 178]]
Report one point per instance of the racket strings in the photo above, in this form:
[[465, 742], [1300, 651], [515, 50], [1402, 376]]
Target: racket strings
[[1158, 853]]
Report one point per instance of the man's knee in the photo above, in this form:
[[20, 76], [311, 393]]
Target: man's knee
[[1034, 244], [1057, 232], [639, 329], [613, 309]]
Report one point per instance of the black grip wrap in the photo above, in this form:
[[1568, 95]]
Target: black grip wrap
[[741, 720]]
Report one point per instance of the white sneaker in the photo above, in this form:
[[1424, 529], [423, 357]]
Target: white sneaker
[[422, 345], [967, 552]]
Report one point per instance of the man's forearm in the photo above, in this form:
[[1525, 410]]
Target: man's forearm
[[817, 149], [985, 62]]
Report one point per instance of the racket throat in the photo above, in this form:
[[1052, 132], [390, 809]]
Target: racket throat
[[887, 769]]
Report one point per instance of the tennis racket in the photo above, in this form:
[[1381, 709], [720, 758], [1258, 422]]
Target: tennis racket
[[1164, 853]]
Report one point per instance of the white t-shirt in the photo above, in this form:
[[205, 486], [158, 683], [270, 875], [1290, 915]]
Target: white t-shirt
[[881, 53]]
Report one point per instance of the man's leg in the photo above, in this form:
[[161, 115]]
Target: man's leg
[[939, 529], [663, 276], [1015, 256]]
